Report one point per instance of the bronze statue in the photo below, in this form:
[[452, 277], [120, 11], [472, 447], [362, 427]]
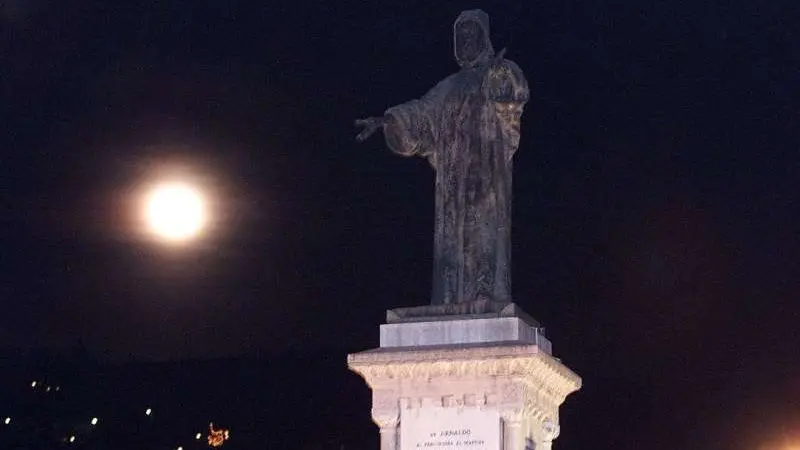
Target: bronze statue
[[468, 128]]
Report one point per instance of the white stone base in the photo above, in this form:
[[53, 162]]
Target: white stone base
[[477, 376], [464, 331], [518, 382]]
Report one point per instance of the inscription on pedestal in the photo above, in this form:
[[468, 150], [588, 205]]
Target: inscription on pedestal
[[436, 428]]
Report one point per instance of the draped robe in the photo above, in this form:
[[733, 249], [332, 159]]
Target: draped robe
[[467, 127]]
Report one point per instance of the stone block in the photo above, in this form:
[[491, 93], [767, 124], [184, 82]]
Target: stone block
[[464, 331]]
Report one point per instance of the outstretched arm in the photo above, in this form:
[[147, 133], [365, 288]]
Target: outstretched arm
[[409, 127]]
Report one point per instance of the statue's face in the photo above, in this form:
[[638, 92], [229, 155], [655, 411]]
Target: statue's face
[[469, 40]]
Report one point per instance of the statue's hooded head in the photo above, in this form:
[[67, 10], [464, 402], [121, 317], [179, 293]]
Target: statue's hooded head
[[471, 43]]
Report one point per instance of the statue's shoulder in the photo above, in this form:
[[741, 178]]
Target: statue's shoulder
[[441, 89], [505, 68], [506, 82]]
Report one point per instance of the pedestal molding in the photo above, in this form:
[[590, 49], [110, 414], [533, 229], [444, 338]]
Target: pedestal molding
[[384, 369]]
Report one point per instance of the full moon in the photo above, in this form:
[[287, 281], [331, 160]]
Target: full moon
[[175, 212]]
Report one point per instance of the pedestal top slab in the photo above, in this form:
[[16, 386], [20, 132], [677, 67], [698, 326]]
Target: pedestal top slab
[[462, 330], [478, 351]]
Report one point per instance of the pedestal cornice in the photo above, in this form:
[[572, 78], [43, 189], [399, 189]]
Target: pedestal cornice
[[534, 369]]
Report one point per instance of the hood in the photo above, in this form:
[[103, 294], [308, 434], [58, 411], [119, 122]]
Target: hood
[[485, 51]]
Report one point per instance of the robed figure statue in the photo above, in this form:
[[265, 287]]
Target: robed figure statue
[[468, 128]]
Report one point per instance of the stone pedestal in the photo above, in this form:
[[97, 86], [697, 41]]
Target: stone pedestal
[[484, 379]]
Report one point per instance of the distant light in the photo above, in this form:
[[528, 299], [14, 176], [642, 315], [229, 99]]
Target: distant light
[[7, 421], [33, 384], [72, 438], [58, 388], [179, 448], [148, 411], [94, 421], [48, 389], [217, 437], [198, 436]]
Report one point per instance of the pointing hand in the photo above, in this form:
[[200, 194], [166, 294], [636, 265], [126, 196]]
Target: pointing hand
[[370, 125]]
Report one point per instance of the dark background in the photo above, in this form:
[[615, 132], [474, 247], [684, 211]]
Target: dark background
[[654, 214]]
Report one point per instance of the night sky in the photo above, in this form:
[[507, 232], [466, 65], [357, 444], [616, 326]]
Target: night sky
[[655, 197]]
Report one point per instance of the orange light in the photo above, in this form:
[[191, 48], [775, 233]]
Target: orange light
[[217, 437]]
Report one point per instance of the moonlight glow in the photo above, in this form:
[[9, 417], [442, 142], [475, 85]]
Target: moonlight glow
[[175, 212]]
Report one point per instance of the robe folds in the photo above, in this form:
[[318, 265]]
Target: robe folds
[[467, 127]]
